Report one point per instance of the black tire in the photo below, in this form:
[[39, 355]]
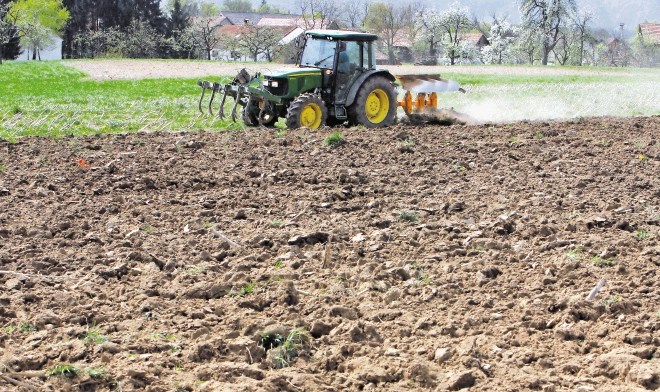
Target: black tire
[[375, 104], [334, 122], [250, 113], [251, 116], [307, 110]]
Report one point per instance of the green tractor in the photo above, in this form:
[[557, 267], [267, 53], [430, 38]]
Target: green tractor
[[336, 82]]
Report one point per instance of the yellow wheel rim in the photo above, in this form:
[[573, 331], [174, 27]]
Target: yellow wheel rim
[[310, 116], [377, 106]]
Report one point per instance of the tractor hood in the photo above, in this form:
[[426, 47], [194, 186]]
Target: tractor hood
[[292, 73]]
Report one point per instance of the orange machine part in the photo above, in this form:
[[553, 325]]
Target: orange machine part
[[420, 104], [407, 102]]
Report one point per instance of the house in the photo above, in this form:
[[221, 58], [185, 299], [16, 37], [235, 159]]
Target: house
[[617, 53], [477, 40], [236, 33], [254, 18], [649, 33], [649, 36]]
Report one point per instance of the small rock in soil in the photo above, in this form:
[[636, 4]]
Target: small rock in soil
[[460, 380]]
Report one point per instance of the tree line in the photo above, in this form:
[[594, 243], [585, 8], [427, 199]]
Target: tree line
[[551, 31]]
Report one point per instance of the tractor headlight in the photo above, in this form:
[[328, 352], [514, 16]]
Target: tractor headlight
[[271, 83], [274, 84]]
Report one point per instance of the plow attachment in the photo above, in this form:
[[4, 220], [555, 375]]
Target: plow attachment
[[237, 89], [420, 101]]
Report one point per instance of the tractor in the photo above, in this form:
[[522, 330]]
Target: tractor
[[336, 82]]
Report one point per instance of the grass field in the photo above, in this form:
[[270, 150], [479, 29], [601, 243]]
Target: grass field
[[49, 98]]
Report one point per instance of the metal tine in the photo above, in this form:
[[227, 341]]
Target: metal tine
[[204, 85], [241, 90], [221, 109], [214, 89]]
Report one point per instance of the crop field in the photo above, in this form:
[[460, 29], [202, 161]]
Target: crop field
[[145, 247]]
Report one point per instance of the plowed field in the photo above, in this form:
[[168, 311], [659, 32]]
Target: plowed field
[[404, 259]]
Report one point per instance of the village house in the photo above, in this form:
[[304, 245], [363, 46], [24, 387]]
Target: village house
[[648, 35]]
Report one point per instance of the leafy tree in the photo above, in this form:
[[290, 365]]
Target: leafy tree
[[581, 20], [388, 21], [9, 38], [266, 8], [237, 6], [317, 13], [353, 13], [37, 20], [527, 46], [139, 40], [96, 43], [257, 40], [202, 31], [547, 17], [208, 10]]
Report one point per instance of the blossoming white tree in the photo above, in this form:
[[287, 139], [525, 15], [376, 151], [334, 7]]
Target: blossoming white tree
[[500, 50], [450, 24]]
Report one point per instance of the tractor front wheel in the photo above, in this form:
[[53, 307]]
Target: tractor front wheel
[[307, 110], [375, 104], [251, 118]]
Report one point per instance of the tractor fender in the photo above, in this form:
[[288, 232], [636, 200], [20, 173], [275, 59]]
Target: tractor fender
[[352, 93]]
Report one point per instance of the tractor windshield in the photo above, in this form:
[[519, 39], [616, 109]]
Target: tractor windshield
[[318, 53]]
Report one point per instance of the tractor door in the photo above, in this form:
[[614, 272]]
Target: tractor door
[[352, 60]]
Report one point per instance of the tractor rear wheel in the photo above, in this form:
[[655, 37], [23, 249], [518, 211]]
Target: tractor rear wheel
[[307, 110], [375, 104]]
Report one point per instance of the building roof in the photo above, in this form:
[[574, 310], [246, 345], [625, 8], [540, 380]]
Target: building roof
[[650, 32], [211, 21], [475, 38], [268, 21], [254, 18], [342, 34], [236, 31]]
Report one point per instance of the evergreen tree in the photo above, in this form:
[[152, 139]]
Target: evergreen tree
[[99, 15], [9, 48], [179, 18], [178, 22], [84, 18]]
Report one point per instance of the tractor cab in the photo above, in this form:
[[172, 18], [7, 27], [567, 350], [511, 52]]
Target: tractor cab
[[342, 56]]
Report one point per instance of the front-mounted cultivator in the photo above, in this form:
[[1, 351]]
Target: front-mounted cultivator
[[336, 82]]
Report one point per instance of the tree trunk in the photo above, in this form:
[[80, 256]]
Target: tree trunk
[[1, 54], [34, 54], [581, 49], [546, 54]]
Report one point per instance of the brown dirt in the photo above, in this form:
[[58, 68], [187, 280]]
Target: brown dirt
[[423, 258]]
